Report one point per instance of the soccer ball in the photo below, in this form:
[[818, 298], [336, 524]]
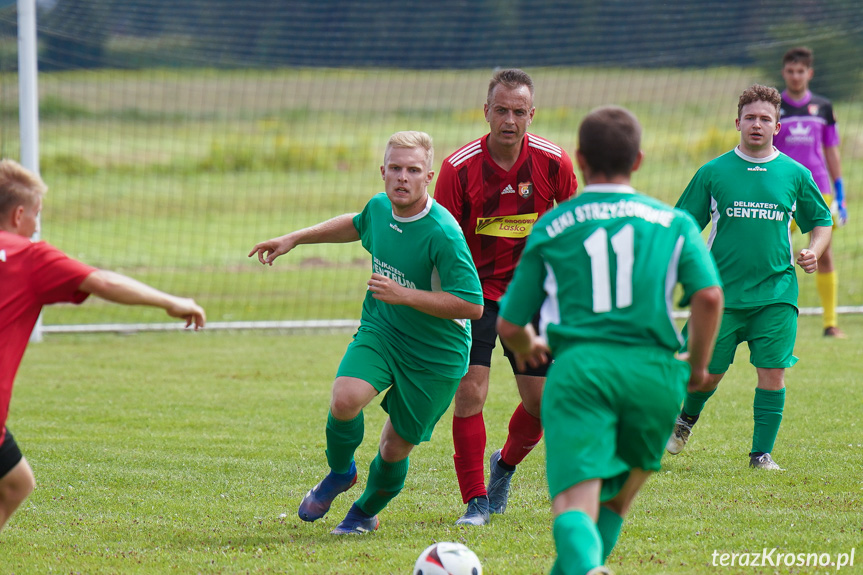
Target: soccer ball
[[448, 559]]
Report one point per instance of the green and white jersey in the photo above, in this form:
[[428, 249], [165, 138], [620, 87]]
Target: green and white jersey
[[425, 252], [602, 267], [750, 203]]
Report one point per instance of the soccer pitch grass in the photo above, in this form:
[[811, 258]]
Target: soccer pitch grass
[[189, 453]]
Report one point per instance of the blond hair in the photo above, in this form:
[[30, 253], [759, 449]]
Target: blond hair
[[18, 186], [412, 139]]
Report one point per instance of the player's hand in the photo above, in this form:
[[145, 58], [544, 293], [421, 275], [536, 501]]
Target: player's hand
[[842, 213], [269, 250], [697, 379], [187, 309], [839, 198], [387, 290], [539, 354], [807, 260]]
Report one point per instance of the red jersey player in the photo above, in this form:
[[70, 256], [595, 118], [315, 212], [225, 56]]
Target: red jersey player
[[497, 187], [36, 274]]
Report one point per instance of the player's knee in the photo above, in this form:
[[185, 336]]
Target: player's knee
[[16, 487], [345, 407], [533, 405], [470, 397]]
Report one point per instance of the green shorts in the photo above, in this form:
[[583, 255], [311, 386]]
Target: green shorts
[[417, 398], [607, 409], [770, 330]]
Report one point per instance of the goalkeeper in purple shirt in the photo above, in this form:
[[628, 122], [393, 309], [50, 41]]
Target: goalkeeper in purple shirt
[[809, 135]]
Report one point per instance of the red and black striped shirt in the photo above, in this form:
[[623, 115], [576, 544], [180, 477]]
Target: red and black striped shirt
[[496, 209]]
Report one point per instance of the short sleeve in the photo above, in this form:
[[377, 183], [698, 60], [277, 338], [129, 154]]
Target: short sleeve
[[56, 277], [812, 211], [696, 269], [696, 198], [458, 275], [568, 181], [448, 192]]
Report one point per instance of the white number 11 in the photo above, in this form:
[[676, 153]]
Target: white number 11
[[596, 246]]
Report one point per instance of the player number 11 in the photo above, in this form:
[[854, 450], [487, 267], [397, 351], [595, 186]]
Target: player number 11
[[596, 246]]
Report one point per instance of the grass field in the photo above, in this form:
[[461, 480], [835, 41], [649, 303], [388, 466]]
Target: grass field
[[189, 453], [172, 176]]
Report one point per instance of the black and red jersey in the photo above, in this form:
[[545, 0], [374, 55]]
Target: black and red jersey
[[496, 209]]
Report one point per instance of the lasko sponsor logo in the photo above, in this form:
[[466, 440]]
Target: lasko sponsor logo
[[755, 210], [506, 226], [385, 269]]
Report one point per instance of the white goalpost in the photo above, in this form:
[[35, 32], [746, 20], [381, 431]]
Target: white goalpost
[[28, 101]]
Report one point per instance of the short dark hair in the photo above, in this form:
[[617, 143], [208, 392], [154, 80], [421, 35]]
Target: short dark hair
[[511, 78], [609, 139], [800, 54], [759, 93]]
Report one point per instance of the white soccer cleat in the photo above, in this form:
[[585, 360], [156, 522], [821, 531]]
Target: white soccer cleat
[[678, 439], [764, 461]]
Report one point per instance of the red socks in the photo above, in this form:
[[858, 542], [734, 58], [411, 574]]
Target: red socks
[[468, 437], [525, 431]]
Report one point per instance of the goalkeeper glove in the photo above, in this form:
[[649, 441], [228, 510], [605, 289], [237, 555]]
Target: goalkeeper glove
[[839, 196]]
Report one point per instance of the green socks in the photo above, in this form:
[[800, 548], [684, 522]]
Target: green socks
[[578, 542], [343, 438], [386, 480], [609, 524], [695, 400], [767, 412]]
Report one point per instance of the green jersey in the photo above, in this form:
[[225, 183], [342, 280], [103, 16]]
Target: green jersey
[[602, 267], [750, 203], [425, 252]]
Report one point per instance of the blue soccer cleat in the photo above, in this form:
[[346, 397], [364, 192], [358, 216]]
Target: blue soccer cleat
[[356, 522], [317, 501], [499, 480], [477, 513]]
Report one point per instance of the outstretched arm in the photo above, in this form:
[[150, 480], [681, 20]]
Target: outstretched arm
[[436, 303], [122, 289], [337, 230]]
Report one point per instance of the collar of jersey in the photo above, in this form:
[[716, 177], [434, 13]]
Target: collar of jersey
[[609, 188], [807, 97], [756, 160], [427, 209]]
